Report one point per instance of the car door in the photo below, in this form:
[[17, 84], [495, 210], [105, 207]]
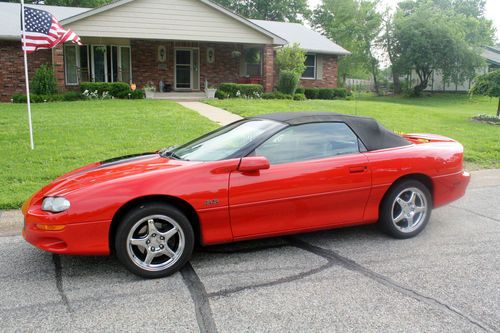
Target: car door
[[317, 178]]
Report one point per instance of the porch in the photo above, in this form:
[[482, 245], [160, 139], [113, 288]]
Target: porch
[[180, 96], [169, 66]]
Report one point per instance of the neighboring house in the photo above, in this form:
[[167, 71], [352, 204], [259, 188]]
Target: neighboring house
[[183, 43], [491, 55]]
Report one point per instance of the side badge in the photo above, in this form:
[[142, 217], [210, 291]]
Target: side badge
[[211, 202]]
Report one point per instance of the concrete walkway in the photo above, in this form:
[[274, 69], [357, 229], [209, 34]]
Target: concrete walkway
[[213, 113]]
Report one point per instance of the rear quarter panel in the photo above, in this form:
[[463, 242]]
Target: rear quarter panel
[[440, 161]]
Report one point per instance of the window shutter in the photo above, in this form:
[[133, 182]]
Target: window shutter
[[319, 67]]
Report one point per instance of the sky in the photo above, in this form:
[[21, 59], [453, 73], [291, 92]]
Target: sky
[[492, 11]]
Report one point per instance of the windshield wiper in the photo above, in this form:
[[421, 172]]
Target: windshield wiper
[[168, 152]]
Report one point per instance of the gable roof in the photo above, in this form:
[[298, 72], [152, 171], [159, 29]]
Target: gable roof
[[492, 54], [308, 39], [277, 40], [11, 21]]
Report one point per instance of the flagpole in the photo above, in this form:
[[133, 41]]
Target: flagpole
[[32, 143]]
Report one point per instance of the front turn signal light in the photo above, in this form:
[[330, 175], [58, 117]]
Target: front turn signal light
[[50, 227]]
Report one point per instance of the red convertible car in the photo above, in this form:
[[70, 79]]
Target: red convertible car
[[263, 176]]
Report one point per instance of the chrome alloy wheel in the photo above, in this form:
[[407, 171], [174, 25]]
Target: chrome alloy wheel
[[155, 242], [409, 209]]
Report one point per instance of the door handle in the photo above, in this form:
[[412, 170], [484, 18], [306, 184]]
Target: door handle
[[358, 169]]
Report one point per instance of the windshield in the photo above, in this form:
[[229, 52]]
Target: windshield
[[225, 142]]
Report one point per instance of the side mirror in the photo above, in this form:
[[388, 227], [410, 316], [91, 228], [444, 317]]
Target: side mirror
[[254, 163]]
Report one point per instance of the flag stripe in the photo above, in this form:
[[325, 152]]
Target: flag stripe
[[43, 31]]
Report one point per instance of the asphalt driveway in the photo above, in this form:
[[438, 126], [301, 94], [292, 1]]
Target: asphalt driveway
[[356, 279]]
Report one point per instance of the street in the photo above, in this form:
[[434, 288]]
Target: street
[[355, 279]]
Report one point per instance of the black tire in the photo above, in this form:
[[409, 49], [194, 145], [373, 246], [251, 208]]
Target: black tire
[[390, 209], [146, 224]]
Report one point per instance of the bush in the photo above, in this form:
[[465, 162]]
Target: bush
[[71, 96], [341, 92], [114, 89], [232, 90], [287, 82], [276, 95], [44, 81], [326, 93], [300, 90], [311, 93], [299, 97], [137, 94]]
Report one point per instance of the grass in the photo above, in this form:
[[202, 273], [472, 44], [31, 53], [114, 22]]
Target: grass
[[72, 134], [448, 115]]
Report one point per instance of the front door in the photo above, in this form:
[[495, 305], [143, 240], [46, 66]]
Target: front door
[[318, 178], [183, 69]]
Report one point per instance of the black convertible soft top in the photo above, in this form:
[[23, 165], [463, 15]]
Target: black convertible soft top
[[373, 135]]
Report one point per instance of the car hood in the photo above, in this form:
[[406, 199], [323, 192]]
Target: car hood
[[111, 170]]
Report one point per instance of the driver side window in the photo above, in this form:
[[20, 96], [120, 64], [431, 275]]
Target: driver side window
[[309, 142]]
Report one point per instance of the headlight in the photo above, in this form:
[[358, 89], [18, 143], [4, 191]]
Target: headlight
[[55, 204]]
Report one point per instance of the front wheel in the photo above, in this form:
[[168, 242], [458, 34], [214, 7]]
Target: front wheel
[[406, 209], [154, 240]]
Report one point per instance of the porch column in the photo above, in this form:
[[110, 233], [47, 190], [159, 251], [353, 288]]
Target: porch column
[[268, 68], [58, 66]]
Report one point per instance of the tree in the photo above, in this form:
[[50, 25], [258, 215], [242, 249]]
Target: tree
[[444, 35], [488, 85], [291, 64], [354, 24], [275, 10]]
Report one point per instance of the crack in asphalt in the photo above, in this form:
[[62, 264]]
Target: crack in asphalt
[[386, 281], [204, 316], [287, 279], [476, 213], [59, 283]]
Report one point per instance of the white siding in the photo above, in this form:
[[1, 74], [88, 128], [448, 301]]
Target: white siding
[[188, 20]]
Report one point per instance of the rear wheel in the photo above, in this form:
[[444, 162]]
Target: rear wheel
[[154, 240], [406, 209]]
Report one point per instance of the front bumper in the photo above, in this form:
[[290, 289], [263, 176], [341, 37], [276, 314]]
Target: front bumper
[[85, 238]]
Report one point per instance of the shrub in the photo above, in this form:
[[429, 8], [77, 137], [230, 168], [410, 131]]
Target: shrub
[[19, 98], [114, 89], [311, 93], [71, 96], [326, 93], [44, 81], [137, 94], [291, 58], [299, 97], [287, 82], [276, 95], [231, 90], [300, 90], [340, 92]]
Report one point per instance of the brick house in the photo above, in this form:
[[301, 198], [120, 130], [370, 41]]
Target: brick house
[[183, 43]]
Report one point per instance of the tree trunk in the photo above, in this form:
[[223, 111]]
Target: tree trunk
[[397, 82], [498, 109]]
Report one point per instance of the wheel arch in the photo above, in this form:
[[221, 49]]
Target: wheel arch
[[176, 202], [423, 178]]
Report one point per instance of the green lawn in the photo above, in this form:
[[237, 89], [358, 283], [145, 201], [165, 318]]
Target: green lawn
[[447, 115], [72, 134]]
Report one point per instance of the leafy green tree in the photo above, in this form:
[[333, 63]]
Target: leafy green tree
[[354, 24], [445, 35], [44, 81], [291, 64], [275, 10], [488, 85]]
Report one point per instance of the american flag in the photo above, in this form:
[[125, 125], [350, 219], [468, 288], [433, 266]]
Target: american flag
[[44, 32]]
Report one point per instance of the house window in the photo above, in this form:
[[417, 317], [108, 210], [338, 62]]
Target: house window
[[97, 63], [253, 62], [71, 64], [310, 72]]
